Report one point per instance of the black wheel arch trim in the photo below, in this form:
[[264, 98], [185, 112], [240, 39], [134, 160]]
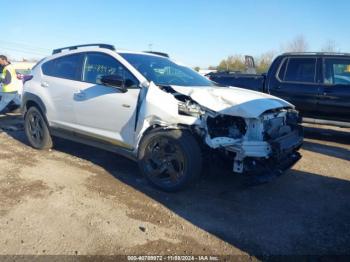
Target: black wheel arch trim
[[156, 128], [30, 97]]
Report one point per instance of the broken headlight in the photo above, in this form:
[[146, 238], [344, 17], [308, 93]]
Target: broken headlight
[[226, 126], [293, 118], [189, 108]]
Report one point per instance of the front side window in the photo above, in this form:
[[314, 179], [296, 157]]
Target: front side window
[[337, 71], [67, 67], [302, 70], [164, 72], [97, 65]]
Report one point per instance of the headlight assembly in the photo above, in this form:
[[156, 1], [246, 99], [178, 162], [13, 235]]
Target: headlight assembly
[[189, 108]]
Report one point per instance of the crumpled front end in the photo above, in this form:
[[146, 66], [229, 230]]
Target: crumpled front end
[[269, 142], [255, 141]]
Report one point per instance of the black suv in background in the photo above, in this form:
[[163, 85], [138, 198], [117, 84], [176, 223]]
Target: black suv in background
[[318, 84]]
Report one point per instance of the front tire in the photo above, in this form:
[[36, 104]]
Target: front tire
[[37, 130], [170, 160]]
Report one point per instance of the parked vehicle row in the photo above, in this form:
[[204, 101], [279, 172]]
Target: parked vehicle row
[[318, 84], [164, 115]]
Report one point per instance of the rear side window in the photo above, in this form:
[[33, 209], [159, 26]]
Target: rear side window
[[301, 70], [67, 67], [337, 71]]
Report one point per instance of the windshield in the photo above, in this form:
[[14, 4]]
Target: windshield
[[164, 72]]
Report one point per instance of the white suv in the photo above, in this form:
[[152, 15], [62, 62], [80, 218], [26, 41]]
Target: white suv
[[149, 108]]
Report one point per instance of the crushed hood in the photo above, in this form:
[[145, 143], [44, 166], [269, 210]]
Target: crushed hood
[[233, 101]]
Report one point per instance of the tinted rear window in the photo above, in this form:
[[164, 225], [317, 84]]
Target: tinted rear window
[[67, 67], [301, 70]]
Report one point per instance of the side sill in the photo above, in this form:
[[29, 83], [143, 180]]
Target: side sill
[[94, 142]]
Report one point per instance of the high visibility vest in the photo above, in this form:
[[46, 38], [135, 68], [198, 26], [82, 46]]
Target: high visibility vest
[[15, 85]]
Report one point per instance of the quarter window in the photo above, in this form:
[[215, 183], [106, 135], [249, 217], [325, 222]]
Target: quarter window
[[337, 71], [67, 67], [97, 65], [301, 70]]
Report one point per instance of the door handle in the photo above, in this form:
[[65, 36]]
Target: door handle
[[126, 106], [44, 84], [80, 95]]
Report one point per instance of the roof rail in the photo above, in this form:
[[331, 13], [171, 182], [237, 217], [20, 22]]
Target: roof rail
[[157, 53], [316, 53], [59, 50]]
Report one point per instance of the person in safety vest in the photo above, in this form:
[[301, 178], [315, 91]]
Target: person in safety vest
[[10, 83], [1, 68]]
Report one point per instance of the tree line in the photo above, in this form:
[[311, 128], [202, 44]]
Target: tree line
[[262, 62]]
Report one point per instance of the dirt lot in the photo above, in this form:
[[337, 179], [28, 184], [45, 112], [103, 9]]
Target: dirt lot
[[80, 200]]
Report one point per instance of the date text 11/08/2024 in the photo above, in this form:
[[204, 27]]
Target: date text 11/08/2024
[[173, 258]]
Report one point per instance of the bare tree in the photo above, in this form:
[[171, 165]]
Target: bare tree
[[330, 46], [298, 44], [264, 61]]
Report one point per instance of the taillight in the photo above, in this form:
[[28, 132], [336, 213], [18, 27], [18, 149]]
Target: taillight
[[26, 78]]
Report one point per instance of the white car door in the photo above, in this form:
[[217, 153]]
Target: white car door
[[105, 112], [59, 81]]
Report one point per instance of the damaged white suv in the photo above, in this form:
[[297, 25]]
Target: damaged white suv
[[145, 106]]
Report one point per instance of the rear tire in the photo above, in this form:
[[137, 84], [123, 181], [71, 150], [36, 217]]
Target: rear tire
[[170, 160], [36, 129]]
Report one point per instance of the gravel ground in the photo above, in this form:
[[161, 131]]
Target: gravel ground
[[78, 200]]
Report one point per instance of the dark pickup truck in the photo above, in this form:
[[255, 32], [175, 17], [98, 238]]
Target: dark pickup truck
[[318, 84]]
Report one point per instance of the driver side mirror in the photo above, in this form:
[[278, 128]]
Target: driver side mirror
[[114, 81]]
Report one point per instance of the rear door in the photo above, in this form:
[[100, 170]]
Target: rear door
[[296, 82], [335, 95], [105, 112], [59, 82]]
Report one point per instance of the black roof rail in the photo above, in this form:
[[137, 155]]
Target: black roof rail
[[317, 53], [157, 53], [106, 46]]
